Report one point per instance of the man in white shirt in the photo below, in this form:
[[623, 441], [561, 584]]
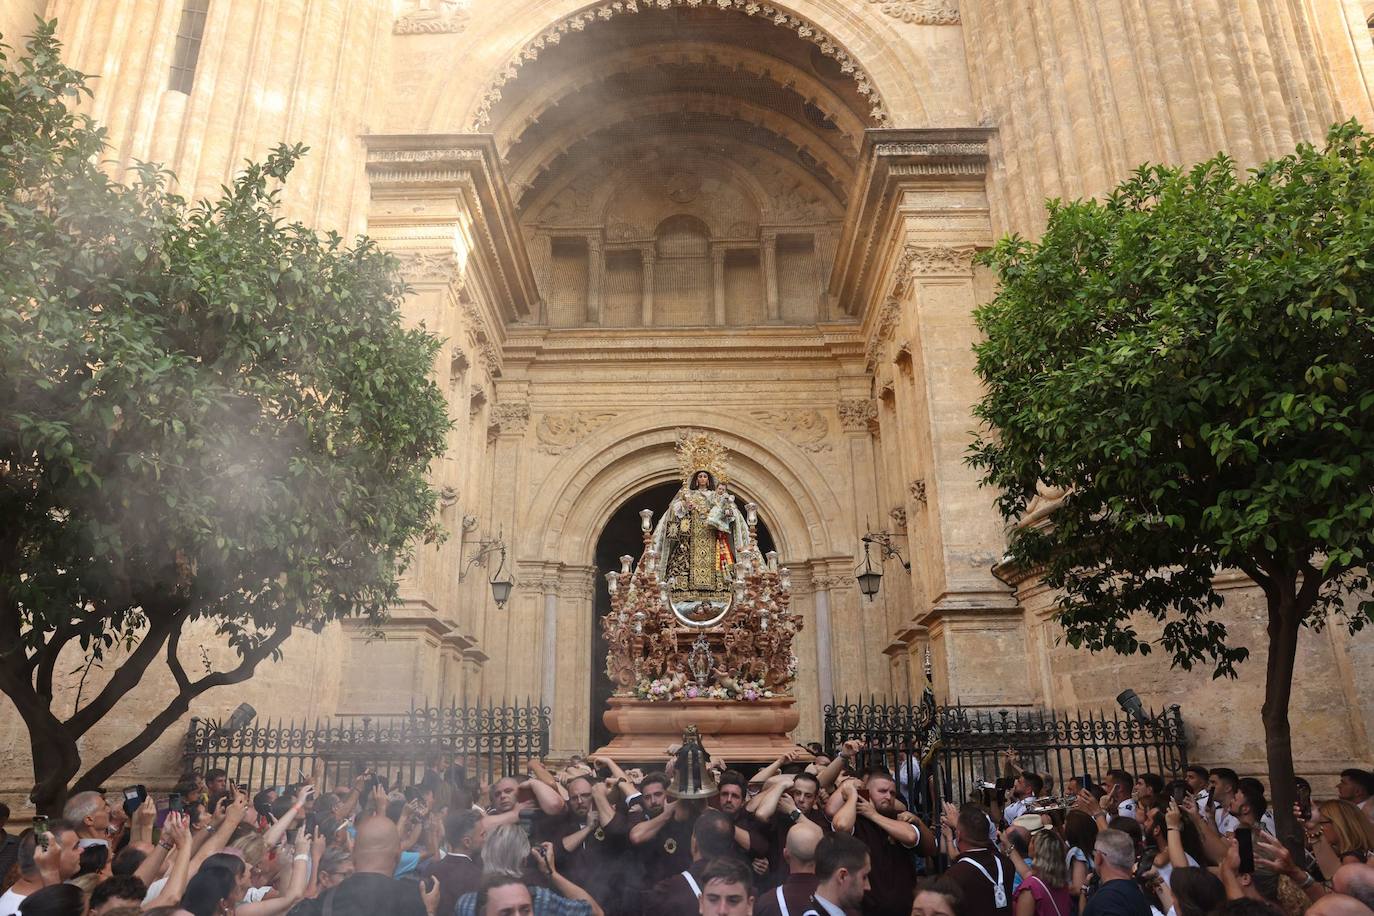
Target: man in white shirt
[[1024, 793], [40, 866], [1357, 787], [842, 867], [1222, 783]]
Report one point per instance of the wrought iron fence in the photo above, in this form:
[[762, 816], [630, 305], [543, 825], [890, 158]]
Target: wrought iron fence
[[467, 743], [960, 747]]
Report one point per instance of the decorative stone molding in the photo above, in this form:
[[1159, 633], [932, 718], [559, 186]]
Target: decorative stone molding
[[448, 496], [470, 523], [808, 430], [898, 516], [917, 489], [883, 329], [930, 261], [477, 401], [559, 432], [858, 415], [511, 417], [428, 266], [608, 9], [922, 12], [419, 17]]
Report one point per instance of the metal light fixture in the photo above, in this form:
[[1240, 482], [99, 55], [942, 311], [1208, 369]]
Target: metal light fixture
[[237, 721], [870, 579], [501, 583]]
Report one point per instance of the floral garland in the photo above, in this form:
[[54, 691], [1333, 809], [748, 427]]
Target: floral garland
[[666, 688]]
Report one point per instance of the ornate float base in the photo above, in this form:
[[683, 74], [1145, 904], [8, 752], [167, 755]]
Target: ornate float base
[[737, 730]]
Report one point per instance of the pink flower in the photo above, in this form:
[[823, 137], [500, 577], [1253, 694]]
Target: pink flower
[[691, 693], [751, 694]]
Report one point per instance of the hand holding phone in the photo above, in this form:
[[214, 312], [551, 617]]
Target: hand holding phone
[[1245, 845]]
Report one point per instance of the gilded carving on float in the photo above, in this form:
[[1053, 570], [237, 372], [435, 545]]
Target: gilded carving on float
[[608, 9]]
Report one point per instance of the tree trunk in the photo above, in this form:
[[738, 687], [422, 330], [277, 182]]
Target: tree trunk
[[56, 760], [1285, 619]]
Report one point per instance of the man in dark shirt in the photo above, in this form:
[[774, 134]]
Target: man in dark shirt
[[983, 874], [594, 855], [9, 843], [799, 852], [1119, 894], [784, 801], [713, 837], [750, 833], [891, 842], [661, 831], [459, 872], [371, 889], [842, 870]]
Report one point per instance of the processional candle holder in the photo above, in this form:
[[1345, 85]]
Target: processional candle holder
[[646, 519], [772, 557], [613, 582], [625, 562]]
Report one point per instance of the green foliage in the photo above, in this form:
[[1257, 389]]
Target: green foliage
[[1194, 360], [205, 412]]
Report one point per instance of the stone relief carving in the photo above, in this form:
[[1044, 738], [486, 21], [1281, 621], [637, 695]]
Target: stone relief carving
[[858, 415], [930, 260], [884, 328], [607, 9], [431, 16], [924, 12], [917, 489], [808, 430], [428, 266], [898, 516], [558, 432], [511, 417], [477, 401]]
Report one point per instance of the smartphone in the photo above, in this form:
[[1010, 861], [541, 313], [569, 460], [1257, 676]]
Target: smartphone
[[1246, 847], [1179, 793], [40, 831], [176, 803], [863, 793]]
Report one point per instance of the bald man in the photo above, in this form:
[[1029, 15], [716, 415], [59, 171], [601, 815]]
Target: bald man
[[1337, 905], [371, 888], [1356, 880], [792, 897]]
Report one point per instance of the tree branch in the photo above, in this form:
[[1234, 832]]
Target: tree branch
[[102, 770], [161, 620]]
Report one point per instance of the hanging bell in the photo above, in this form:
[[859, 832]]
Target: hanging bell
[[692, 776]]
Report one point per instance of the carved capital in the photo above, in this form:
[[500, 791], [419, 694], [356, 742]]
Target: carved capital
[[511, 417], [931, 261], [917, 489], [858, 415], [922, 12], [898, 516], [884, 328]]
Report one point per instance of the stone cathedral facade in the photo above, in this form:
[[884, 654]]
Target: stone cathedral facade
[[756, 218]]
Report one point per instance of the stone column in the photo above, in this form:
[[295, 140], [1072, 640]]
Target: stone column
[[572, 665], [550, 643], [718, 262], [768, 258], [824, 677], [596, 277], [646, 263]]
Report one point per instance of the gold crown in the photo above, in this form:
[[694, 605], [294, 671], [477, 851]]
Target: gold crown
[[701, 451]]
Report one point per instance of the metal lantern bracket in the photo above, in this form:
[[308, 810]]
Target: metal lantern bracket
[[888, 550], [870, 579], [501, 585]]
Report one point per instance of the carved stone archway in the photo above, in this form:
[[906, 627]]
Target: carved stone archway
[[803, 513]]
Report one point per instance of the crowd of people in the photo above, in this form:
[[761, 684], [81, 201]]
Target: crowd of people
[[808, 835]]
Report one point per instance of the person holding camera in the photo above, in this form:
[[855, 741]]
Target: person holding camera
[[507, 855], [1119, 894]]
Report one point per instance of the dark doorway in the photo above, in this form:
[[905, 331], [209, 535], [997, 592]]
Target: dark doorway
[[622, 535]]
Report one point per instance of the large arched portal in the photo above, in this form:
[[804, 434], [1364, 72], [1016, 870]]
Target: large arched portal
[[622, 536]]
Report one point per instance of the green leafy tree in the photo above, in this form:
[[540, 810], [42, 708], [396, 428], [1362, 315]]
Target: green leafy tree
[[206, 415], [1193, 360]]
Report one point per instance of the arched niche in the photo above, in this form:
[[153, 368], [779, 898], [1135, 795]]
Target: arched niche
[[639, 452]]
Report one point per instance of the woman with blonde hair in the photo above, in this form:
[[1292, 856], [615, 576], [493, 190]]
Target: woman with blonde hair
[[1339, 834], [1045, 891]]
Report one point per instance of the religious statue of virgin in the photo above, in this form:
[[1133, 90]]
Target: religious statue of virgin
[[700, 538]]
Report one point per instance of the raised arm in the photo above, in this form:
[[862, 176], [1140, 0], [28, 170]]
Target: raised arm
[[549, 799], [765, 803], [843, 820], [295, 888], [176, 832], [277, 831], [645, 831], [561, 885]]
